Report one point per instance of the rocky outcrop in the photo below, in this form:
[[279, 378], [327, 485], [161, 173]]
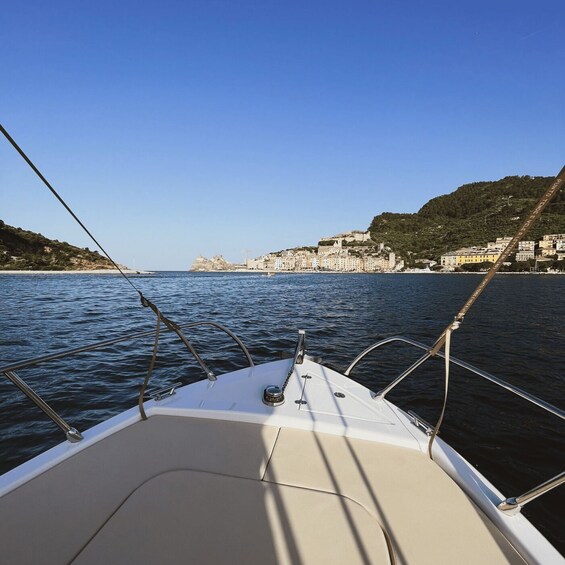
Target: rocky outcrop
[[217, 263]]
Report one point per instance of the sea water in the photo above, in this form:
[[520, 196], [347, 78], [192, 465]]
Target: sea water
[[515, 331]]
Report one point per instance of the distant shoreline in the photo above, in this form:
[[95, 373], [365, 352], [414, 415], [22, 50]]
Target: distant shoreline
[[89, 272], [264, 273]]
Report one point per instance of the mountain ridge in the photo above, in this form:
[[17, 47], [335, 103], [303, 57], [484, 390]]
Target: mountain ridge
[[473, 214]]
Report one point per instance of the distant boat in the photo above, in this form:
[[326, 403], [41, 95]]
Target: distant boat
[[270, 274]]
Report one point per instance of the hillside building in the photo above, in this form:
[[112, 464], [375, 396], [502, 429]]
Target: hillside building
[[349, 237], [500, 244], [526, 246]]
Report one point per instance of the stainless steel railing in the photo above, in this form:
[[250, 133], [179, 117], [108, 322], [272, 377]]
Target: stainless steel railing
[[511, 505], [483, 374], [9, 371], [71, 433]]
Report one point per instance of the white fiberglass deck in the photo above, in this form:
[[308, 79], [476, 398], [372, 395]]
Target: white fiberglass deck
[[215, 476]]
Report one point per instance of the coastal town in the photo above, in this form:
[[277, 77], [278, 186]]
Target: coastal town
[[356, 252], [546, 250]]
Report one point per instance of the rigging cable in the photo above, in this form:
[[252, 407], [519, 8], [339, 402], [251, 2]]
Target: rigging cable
[[445, 337], [58, 197], [144, 301]]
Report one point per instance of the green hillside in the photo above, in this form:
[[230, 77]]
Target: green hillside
[[26, 250], [472, 215]]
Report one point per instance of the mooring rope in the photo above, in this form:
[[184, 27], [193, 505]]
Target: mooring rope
[[447, 354], [144, 301], [445, 338], [149, 369]]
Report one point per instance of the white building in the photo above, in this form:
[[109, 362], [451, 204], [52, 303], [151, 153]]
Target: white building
[[526, 246], [449, 260], [525, 255], [500, 244]]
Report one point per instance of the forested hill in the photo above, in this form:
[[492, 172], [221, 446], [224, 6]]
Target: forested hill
[[474, 214], [26, 250]]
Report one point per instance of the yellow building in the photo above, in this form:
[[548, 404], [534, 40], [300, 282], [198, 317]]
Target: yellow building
[[469, 255], [479, 256]]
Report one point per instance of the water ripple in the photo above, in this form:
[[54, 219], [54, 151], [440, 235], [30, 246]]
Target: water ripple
[[514, 332]]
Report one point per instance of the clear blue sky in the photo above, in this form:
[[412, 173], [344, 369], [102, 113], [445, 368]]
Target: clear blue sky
[[179, 128]]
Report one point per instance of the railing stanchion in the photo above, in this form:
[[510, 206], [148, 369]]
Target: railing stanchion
[[71, 433], [514, 504]]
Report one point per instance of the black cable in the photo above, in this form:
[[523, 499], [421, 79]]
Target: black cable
[[55, 193], [144, 301]]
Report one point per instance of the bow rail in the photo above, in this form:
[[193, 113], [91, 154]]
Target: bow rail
[[483, 374], [511, 505], [73, 435]]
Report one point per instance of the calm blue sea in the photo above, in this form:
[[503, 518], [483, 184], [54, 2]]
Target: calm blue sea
[[515, 331]]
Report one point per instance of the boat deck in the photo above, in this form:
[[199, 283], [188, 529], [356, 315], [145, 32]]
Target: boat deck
[[198, 490]]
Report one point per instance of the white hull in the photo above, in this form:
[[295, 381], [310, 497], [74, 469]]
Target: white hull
[[329, 479]]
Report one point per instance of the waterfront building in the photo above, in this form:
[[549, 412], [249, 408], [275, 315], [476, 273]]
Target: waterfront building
[[449, 260], [550, 244], [470, 255], [525, 255]]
